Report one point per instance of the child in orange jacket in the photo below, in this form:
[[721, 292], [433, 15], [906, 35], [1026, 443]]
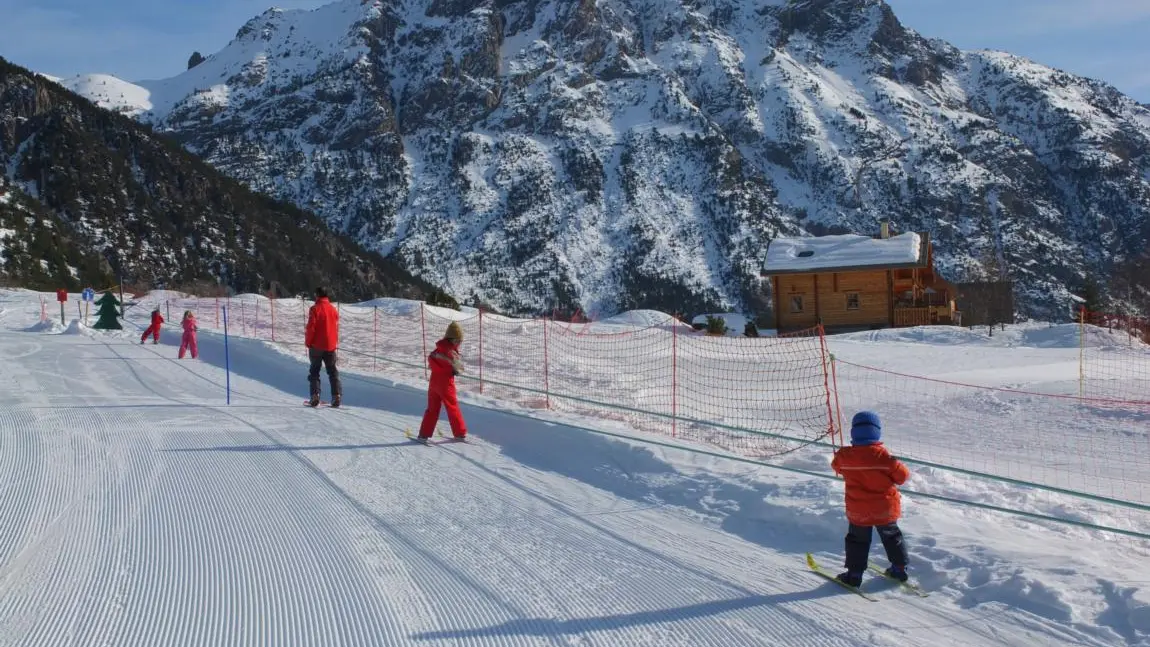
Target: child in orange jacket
[[872, 477]]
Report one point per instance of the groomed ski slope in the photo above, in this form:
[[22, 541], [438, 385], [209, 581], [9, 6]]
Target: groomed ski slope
[[138, 509]]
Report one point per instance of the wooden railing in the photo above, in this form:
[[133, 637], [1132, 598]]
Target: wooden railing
[[928, 316]]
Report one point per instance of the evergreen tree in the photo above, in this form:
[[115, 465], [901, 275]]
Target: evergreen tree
[[108, 313]]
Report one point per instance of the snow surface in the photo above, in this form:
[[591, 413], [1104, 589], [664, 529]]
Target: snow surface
[[110, 92], [848, 250], [181, 520]]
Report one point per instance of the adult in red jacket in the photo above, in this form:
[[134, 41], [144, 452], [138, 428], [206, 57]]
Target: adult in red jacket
[[322, 338], [445, 365], [154, 329]]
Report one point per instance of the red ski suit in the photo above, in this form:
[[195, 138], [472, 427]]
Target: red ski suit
[[445, 365], [154, 329], [188, 341]]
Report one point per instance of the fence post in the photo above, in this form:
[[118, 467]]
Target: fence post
[[674, 377], [838, 406], [217, 313], [272, 302], [481, 350], [44, 310], [375, 337], [227, 359], [423, 335], [827, 383], [243, 319], [168, 303], [546, 366], [1081, 351], [79, 310], [256, 321]]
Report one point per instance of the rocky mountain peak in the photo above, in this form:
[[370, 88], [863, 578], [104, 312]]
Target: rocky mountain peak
[[609, 154]]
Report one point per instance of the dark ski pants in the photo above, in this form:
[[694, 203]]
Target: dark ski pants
[[858, 546], [327, 358]]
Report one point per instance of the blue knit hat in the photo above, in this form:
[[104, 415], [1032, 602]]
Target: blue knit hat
[[866, 429]]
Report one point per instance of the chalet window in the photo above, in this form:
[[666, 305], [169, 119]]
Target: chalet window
[[796, 303], [852, 301]]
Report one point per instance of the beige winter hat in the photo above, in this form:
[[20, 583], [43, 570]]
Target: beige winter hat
[[454, 332]]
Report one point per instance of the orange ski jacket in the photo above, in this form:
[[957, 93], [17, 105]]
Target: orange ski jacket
[[872, 478]]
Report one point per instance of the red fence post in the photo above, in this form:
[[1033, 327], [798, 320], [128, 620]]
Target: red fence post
[[481, 350], [674, 377], [423, 335], [827, 383], [546, 367]]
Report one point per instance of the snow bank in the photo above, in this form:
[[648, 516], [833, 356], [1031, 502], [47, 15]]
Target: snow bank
[[641, 319], [75, 327], [1023, 335], [51, 327]]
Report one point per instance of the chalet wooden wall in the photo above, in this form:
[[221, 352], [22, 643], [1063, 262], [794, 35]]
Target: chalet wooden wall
[[873, 299], [792, 285], [826, 298]]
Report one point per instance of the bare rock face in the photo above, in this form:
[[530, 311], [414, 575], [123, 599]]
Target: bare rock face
[[613, 154]]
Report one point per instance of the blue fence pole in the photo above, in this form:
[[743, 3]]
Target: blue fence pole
[[227, 358]]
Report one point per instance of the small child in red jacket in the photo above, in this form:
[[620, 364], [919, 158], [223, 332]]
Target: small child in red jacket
[[188, 341], [872, 477], [445, 365], [154, 329]]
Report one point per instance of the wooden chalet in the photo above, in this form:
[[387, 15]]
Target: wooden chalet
[[857, 282]]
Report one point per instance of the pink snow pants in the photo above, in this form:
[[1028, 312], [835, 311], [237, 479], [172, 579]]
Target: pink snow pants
[[188, 342]]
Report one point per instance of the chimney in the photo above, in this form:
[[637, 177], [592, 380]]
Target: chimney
[[885, 229]]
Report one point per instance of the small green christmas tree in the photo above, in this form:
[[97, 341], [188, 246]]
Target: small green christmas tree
[[716, 326], [108, 313]]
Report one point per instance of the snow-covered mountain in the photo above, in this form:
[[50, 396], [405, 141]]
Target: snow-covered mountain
[[615, 154]]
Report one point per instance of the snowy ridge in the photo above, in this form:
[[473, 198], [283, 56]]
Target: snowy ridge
[[110, 93], [632, 154]]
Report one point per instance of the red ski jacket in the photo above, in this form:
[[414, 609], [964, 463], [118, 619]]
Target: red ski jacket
[[157, 318], [872, 478], [445, 361], [322, 331]]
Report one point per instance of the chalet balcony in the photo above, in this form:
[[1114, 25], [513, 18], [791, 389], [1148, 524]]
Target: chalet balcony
[[905, 316]]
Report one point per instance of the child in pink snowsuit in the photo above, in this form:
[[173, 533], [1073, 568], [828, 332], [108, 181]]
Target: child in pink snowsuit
[[189, 340]]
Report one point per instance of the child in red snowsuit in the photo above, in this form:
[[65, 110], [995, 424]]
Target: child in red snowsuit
[[154, 329], [188, 341], [445, 365], [872, 477]]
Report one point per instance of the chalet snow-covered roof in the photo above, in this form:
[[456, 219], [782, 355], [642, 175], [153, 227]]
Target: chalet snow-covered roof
[[844, 253]]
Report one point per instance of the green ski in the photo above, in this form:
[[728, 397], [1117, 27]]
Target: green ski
[[908, 585], [818, 570]]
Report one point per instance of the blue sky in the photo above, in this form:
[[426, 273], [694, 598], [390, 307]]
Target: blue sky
[[144, 39]]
